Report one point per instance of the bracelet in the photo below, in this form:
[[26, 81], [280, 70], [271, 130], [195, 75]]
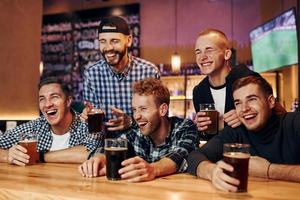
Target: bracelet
[[268, 176]]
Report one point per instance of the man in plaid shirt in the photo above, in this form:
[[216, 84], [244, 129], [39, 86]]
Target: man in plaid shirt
[[61, 135], [108, 83], [161, 143]]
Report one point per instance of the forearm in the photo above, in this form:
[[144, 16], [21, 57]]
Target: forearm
[[205, 169], [284, 172], [3, 155], [77, 154], [164, 167]]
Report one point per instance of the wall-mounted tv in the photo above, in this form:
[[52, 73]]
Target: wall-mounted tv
[[274, 43]]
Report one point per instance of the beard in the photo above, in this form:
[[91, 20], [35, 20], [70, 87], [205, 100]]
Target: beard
[[116, 59]]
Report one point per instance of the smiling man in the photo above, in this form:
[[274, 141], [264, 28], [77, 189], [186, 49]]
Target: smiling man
[[108, 82], [161, 143], [213, 56], [62, 136], [274, 139]]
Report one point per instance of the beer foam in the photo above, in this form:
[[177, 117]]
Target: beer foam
[[27, 141], [115, 149], [239, 155]]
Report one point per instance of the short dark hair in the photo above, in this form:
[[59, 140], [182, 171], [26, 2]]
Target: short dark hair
[[265, 87], [152, 86], [52, 80]]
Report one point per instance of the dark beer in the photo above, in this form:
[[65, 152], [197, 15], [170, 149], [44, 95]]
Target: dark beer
[[114, 157], [95, 122], [214, 118], [239, 162], [31, 146]]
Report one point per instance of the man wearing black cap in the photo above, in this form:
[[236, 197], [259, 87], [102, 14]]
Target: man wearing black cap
[[107, 83]]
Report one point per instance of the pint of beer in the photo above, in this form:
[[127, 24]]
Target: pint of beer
[[115, 152], [237, 155], [29, 141], [209, 109], [95, 121]]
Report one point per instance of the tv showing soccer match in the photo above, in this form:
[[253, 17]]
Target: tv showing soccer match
[[274, 43]]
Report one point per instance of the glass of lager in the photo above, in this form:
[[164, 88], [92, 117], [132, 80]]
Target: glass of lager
[[237, 155], [115, 152], [29, 142]]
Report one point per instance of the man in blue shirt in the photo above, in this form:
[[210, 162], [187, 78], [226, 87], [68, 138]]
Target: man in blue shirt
[[108, 82], [161, 143]]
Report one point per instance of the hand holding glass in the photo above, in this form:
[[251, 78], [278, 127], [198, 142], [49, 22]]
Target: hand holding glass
[[29, 141], [237, 155], [209, 109], [95, 121]]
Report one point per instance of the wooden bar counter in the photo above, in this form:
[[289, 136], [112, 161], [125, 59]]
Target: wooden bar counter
[[62, 181]]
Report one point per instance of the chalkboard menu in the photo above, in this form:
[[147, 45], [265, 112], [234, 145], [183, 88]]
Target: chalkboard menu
[[70, 42]]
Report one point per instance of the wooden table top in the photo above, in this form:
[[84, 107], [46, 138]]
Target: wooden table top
[[62, 181]]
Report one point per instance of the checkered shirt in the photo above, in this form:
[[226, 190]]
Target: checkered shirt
[[183, 139], [104, 88], [78, 134]]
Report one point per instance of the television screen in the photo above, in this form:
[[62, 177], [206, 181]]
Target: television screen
[[274, 44]]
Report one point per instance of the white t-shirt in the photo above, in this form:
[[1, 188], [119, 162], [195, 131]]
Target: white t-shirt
[[219, 96], [60, 141]]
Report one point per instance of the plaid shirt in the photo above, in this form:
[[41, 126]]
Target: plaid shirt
[[78, 134], [183, 139], [104, 88]]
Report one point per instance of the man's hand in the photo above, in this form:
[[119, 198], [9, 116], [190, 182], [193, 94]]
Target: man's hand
[[231, 118], [202, 121], [17, 155], [221, 180], [121, 122], [258, 167], [93, 167], [88, 108], [136, 170]]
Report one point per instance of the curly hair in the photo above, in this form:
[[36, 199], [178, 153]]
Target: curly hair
[[152, 86]]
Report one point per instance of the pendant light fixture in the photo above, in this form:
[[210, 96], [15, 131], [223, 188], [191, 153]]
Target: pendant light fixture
[[175, 59]]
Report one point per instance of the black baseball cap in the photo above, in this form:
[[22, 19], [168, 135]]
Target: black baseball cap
[[114, 24]]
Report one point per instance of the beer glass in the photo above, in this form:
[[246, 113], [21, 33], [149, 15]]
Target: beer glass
[[209, 109], [237, 155], [115, 152], [29, 141], [95, 121]]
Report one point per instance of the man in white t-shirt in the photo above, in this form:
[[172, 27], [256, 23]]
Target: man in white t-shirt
[[62, 137]]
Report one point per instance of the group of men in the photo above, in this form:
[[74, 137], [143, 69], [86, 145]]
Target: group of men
[[136, 105]]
